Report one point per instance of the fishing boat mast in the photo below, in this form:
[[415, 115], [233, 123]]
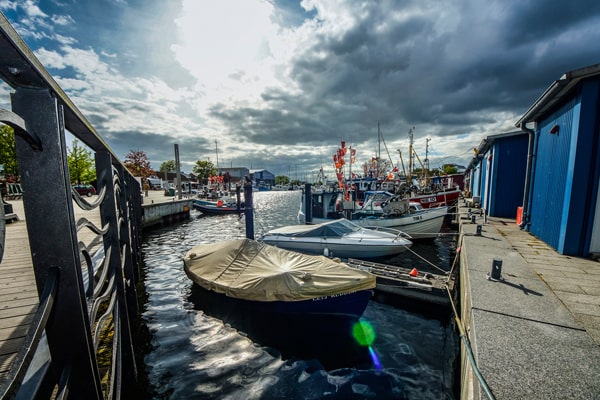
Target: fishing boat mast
[[217, 151], [378, 149], [410, 155]]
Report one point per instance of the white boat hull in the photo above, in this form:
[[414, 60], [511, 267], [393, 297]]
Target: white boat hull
[[335, 248], [425, 225]]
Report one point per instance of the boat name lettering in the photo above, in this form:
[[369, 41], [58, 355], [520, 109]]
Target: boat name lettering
[[417, 218], [329, 297]]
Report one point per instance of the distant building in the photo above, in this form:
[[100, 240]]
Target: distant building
[[562, 202], [262, 177], [237, 174]]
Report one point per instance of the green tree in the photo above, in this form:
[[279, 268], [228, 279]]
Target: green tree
[[204, 169], [450, 169], [168, 166], [136, 161], [8, 150], [81, 164], [282, 180]]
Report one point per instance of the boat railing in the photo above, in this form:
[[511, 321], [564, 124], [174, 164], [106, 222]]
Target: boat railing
[[397, 232], [86, 288]]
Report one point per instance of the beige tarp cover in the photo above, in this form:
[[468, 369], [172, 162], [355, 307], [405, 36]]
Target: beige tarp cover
[[250, 270]]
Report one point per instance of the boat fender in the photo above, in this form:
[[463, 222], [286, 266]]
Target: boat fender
[[326, 252], [220, 203]]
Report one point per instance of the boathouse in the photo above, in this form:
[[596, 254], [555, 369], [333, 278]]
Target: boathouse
[[496, 174], [561, 206], [262, 177]]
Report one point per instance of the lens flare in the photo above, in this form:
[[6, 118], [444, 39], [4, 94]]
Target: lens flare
[[363, 333], [374, 357]]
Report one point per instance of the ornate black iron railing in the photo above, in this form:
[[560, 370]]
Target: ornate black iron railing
[[87, 290]]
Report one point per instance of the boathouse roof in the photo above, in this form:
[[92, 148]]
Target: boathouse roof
[[486, 144], [556, 92]]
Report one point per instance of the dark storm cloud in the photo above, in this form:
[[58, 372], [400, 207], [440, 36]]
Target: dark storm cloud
[[403, 71], [534, 21], [459, 67]]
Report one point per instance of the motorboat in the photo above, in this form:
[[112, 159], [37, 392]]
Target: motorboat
[[217, 207], [278, 281], [339, 238]]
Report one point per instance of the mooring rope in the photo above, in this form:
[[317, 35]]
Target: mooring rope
[[427, 261], [465, 338]]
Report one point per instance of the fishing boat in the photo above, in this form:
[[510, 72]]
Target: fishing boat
[[278, 281], [338, 238], [440, 198], [386, 210], [380, 209]]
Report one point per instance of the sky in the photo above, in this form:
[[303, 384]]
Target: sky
[[278, 84]]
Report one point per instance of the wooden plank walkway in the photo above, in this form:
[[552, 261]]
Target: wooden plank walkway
[[18, 292]]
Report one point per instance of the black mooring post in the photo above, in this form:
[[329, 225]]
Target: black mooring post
[[308, 217], [248, 209]]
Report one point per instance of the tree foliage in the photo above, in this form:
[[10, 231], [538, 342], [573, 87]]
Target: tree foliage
[[137, 163], [282, 180], [204, 169], [450, 169], [81, 164], [8, 150], [168, 166]]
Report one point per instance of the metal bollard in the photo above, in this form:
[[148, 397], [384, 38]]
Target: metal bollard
[[496, 273], [473, 217], [478, 231]]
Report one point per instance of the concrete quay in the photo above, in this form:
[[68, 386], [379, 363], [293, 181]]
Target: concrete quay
[[535, 332]]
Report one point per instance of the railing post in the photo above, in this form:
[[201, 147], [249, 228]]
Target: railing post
[[53, 240], [110, 212]]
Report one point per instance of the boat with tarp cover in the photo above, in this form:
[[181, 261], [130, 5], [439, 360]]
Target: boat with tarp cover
[[278, 281]]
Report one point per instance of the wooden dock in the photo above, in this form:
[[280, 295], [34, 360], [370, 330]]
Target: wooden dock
[[18, 292], [424, 287]]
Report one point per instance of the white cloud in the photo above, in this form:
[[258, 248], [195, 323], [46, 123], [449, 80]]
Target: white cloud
[[230, 47], [32, 10]]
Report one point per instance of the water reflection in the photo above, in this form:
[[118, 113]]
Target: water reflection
[[195, 354]]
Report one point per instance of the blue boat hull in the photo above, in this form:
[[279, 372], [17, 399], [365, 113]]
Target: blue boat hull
[[350, 305], [315, 329], [213, 209]]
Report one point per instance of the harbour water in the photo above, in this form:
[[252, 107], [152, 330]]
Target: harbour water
[[191, 353]]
